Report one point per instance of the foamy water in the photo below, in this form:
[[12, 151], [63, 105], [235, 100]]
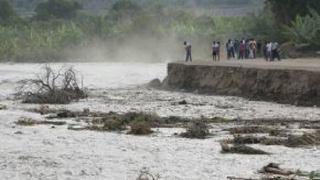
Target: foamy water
[[41, 152], [95, 75]]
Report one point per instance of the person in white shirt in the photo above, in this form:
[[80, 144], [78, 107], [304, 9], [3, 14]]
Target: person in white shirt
[[215, 51], [269, 51], [230, 49]]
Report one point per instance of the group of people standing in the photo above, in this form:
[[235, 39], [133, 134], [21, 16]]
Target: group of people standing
[[244, 49], [271, 51]]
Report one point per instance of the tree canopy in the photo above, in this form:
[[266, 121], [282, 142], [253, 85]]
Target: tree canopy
[[285, 11], [124, 9], [64, 9], [6, 11]]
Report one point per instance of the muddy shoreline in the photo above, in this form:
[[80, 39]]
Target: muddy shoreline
[[282, 85]]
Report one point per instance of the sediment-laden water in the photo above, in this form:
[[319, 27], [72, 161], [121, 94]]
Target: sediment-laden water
[[42, 152]]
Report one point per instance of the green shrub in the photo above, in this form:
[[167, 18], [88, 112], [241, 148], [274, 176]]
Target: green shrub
[[152, 119], [305, 30], [140, 127], [197, 129], [113, 125]]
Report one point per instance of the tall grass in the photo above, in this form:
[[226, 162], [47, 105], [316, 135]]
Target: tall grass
[[37, 41], [54, 39]]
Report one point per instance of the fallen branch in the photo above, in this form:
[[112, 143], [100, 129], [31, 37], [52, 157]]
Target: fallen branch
[[52, 87]]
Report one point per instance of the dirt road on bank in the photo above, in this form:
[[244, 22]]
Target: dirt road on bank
[[312, 64]]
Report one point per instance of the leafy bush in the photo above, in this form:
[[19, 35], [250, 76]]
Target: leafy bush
[[152, 119], [197, 129], [113, 125], [140, 127], [140, 123], [285, 11], [305, 30]]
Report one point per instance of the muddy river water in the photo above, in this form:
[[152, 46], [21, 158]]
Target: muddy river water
[[40, 152]]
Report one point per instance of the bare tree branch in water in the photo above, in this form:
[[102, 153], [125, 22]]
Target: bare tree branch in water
[[53, 87]]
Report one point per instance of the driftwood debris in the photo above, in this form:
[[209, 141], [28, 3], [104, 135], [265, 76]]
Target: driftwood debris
[[52, 87], [238, 178], [241, 149], [273, 171]]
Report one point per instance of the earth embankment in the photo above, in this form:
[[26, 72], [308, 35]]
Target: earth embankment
[[290, 82]]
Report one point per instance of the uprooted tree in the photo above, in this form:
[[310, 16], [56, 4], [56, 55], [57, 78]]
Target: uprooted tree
[[53, 87]]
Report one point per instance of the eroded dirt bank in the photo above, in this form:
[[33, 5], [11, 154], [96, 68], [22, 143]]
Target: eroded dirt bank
[[298, 86]]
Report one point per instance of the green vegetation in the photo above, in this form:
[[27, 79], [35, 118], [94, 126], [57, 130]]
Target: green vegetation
[[285, 11], [140, 127], [198, 129], [305, 30], [67, 32], [7, 13], [65, 9], [61, 30], [299, 24]]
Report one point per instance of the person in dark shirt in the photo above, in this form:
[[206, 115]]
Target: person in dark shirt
[[215, 49], [187, 47], [265, 51], [236, 48]]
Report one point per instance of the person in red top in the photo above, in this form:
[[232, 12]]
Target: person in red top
[[242, 50]]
